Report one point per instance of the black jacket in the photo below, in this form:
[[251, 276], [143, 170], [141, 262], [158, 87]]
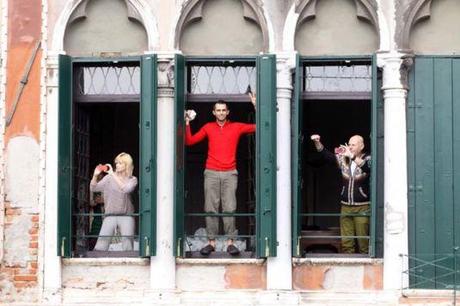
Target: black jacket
[[355, 187]]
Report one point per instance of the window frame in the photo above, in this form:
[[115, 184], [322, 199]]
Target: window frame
[[376, 139], [266, 242], [147, 150]]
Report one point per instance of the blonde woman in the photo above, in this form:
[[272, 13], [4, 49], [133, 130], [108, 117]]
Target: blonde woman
[[116, 187]]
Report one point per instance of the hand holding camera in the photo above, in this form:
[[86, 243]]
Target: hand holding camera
[[343, 150], [102, 168]]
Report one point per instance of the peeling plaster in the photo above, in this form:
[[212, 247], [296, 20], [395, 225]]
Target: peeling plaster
[[17, 242], [22, 169]]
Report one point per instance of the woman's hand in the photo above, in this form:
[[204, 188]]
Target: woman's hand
[[97, 171], [109, 169]]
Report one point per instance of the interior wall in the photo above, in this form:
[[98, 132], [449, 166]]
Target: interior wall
[[106, 28], [336, 30], [223, 30], [439, 33]]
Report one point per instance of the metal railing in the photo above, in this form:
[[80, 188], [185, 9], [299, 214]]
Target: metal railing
[[437, 271]]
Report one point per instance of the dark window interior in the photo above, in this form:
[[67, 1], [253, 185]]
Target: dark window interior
[[195, 165], [104, 126], [335, 115]]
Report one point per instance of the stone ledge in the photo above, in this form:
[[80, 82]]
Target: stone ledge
[[337, 261], [220, 262], [106, 261]]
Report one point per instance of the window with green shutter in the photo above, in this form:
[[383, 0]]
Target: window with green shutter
[[335, 98], [106, 106], [200, 83]]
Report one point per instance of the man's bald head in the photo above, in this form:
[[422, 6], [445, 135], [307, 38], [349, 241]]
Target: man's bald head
[[356, 144]]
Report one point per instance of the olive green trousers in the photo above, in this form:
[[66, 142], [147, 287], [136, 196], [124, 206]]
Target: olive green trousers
[[356, 225]]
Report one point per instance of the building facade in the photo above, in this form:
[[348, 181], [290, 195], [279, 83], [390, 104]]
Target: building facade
[[82, 80]]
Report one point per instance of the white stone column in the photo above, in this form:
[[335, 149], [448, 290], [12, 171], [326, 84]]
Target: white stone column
[[395, 165], [163, 265], [51, 262], [279, 268]]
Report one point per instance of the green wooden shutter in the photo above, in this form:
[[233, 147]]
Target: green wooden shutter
[[433, 140], [179, 161], [374, 156], [266, 156], [147, 171], [380, 162], [65, 157], [296, 158]]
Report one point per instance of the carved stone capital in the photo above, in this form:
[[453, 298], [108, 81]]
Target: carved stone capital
[[165, 72], [395, 71]]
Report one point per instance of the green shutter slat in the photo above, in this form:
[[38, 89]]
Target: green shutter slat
[[377, 143], [296, 158], [65, 157], [424, 164], [443, 163], [456, 147], [147, 182], [410, 119], [374, 156], [266, 156], [179, 158]]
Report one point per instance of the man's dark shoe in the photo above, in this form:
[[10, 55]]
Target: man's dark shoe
[[232, 250], [207, 250]]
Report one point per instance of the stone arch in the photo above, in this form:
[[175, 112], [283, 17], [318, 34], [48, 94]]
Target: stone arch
[[193, 12], [426, 32], [137, 10], [307, 11]]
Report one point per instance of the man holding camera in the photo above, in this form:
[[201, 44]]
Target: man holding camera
[[354, 166], [220, 175]]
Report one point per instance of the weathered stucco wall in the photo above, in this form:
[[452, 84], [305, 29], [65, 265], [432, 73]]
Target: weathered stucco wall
[[337, 276], [19, 267], [222, 34], [216, 277], [336, 30], [90, 35], [439, 33]]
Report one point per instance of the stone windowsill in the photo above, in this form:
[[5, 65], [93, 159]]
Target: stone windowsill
[[220, 261], [337, 261], [106, 261]]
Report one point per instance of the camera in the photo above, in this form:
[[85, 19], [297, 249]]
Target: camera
[[102, 168]]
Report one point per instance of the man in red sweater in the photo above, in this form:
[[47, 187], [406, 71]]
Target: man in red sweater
[[220, 175]]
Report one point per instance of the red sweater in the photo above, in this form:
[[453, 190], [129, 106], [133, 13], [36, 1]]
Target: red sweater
[[222, 142]]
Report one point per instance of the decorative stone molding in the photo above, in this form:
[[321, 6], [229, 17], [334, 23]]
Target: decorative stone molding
[[365, 10], [165, 76], [138, 10], [409, 13], [81, 12], [396, 69], [192, 11]]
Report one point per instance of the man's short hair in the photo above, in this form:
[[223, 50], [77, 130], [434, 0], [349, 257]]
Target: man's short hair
[[222, 102]]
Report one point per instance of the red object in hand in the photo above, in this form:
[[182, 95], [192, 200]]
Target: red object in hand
[[339, 150], [103, 168]]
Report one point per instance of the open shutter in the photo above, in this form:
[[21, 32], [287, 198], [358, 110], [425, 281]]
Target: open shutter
[[179, 161], [266, 156], [296, 158], [147, 184], [374, 153], [65, 157]]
